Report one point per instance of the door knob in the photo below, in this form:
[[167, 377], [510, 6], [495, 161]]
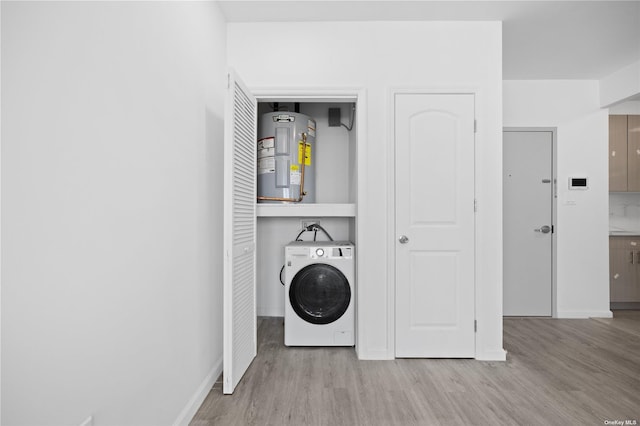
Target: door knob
[[544, 229], [403, 239]]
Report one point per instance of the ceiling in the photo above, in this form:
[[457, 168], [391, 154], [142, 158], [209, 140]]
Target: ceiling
[[541, 39]]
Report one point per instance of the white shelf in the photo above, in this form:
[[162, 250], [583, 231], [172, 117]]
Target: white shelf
[[306, 210]]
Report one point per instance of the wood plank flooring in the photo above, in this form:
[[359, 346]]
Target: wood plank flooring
[[558, 372]]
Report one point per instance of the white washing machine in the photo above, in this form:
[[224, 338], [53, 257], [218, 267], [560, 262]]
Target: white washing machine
[[319, 293]]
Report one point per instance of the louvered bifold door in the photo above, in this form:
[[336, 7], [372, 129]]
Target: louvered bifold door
[[240, 340]]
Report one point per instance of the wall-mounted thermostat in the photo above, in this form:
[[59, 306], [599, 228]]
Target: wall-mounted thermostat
[[578, 183]]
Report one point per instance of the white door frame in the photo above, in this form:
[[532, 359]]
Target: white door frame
[[391, 201], [328, 94], [554, 210]]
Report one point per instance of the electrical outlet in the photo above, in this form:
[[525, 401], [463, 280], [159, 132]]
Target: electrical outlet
[[308, 222]]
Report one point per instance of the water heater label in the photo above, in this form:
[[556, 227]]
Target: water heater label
[[266, 147], [307, 153], [266, 165], [294, 175], [269, 142], [311, 128], [266, 152], [294, 178]]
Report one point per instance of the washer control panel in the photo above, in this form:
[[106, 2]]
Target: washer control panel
[[320, 250], [332, 252]]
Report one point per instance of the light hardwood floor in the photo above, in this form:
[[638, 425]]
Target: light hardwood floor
[[558, 372]]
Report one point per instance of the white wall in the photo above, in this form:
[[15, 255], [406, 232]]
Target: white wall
[[540, 103], [111, 215], [377, 57], [583, 218], [620, 85], [0, 215], [582, 227], [625, 108]]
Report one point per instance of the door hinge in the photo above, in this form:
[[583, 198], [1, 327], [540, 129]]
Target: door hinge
[[475, 126], [475, 205], [475, 326]]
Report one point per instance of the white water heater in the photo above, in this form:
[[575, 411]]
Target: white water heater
[[286, 161]]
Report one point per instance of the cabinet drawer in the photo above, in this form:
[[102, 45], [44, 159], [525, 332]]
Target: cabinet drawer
[[631, 243]]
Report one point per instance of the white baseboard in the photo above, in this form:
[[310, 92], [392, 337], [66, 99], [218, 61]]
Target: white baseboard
[[187, 413], [374, 355], [497, 355], [584, 314]]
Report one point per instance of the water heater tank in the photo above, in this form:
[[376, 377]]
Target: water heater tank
[[286, 143]]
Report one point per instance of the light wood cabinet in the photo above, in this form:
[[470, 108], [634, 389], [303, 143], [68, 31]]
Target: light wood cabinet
[[624, 269], [618, 153], [624, 153], [633, 153]]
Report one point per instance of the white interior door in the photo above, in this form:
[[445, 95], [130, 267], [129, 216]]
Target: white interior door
[[240, 339], [435, 225], [527, 222]]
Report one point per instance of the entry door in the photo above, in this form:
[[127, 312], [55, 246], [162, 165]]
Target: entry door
[[527, 222], [435, 225], [239, 329]]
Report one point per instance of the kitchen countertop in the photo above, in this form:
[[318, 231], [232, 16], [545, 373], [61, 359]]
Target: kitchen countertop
[[620, 232]]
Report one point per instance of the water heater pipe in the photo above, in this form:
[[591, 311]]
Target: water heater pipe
[[302, 193]]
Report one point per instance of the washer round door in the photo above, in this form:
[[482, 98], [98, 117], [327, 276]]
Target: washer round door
[[320, 293]]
